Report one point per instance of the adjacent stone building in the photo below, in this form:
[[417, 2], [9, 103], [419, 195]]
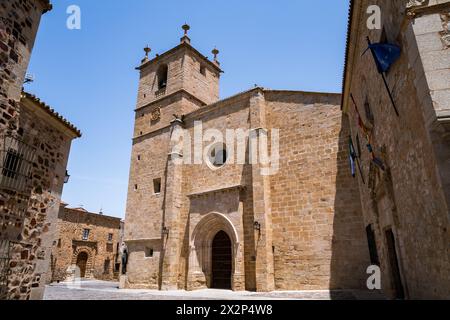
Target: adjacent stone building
[[89, 241], [34, 149], [242, 225], [405, 205], [33, 172]]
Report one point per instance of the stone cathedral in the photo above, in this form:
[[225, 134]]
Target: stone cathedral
[[225, 224]]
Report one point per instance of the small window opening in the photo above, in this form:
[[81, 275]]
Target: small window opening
[[148, 252], [157, 186], [110, 236], [203, 69], [86, 234]]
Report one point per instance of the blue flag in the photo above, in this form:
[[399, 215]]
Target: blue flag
[[385, 55]]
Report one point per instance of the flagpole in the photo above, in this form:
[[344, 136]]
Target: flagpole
[[384, 79], [360, 171], [390, 94]]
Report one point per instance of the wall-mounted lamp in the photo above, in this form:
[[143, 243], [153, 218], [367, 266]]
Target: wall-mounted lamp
[[257, 226], [165, 230], [66, 177]]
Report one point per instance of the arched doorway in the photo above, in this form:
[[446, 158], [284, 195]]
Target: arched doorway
[[82, 259], [221, 261]]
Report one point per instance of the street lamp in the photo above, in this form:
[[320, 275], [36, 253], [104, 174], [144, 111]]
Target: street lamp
[[66, 177]]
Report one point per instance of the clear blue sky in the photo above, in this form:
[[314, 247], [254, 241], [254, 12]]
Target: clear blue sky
[[88, 75]]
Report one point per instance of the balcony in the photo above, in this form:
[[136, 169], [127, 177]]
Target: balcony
[[160, 93]]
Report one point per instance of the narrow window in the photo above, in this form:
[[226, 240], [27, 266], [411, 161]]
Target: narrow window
[[135, 187], [157, 186], [110, 236], [203, 69], [86, 234], [139, 157], [148, 252]]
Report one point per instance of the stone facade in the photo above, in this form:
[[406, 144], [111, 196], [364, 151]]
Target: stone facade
[[96, 253], [407, 203], [30, 202], [298, 228], [34, 143], [19, 22]]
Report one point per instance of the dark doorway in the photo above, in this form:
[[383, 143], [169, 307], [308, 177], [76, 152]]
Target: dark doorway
[[372, 245], [221, 261], [399, 292], [82, 262]]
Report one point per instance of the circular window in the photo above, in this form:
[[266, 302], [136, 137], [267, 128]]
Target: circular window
[[217, 155]]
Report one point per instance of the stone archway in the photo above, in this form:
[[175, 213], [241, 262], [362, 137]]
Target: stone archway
[[200, 274], [81, 263], [83, 259]]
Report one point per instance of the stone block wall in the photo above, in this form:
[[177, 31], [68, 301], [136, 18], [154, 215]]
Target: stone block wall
[[318, 232], [69, 243], [33, 231], [19, 21], [408, 197]]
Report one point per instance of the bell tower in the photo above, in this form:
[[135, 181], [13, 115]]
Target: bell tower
[[171, 84], [178, 81]]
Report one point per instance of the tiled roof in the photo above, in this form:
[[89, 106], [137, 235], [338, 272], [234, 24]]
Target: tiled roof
[[52, 112]]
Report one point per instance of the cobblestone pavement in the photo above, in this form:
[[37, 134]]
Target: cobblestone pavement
[[103, 290]]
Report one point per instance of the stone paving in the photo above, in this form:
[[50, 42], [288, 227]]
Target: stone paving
[[103, 290]]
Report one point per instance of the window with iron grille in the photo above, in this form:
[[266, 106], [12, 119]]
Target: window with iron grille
[[4, 267], [16, 160], [86, 234]]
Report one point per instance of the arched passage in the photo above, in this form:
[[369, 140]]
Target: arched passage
[[215, 253], [82, 260], [222, 256]]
